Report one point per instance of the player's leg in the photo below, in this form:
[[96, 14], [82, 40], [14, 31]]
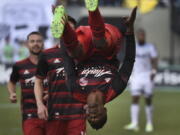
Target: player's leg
[[134, 109], [76, 127], [34, 127], [96, 23], [55, 127], [149, 107]]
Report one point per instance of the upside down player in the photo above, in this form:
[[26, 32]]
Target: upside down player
[[98, 80], [24, 72], [65, 115]]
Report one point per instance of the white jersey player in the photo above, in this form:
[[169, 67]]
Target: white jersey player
[[141, 82]]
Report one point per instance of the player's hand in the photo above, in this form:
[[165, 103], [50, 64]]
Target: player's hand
[[42, 112], [13, 98], [129, 21]]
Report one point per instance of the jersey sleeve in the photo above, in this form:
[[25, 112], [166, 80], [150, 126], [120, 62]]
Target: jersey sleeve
[[120, 81], [14, 77], [42, 67], [153, 51]]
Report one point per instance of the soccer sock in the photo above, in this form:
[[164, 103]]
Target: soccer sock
[[149, 110], [70, 37], [96, 23], [134, 113]]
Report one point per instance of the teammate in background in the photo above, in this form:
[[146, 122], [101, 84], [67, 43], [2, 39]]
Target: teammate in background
[[144, 71], [65, 115], [24, 72]]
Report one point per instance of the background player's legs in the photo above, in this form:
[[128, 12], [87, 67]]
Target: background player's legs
[[149, 107], [149, 112], [134, 109], [134, 112]]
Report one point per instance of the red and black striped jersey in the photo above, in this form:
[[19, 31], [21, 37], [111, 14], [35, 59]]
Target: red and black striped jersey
[[24, 72], [61, 104], [100, 73]]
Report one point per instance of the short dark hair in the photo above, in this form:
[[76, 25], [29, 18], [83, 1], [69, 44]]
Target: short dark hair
[[141, 30], [99, 124], [34, 33], [71, 19]]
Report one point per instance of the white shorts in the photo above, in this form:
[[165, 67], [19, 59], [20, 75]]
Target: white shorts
[[141, 85]]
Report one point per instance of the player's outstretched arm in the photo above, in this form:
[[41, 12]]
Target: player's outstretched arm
[[38, 91], [121, 80]]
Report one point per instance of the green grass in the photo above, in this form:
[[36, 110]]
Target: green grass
[[166, 115]]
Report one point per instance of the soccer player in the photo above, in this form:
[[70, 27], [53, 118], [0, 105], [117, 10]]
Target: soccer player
[[96, 80], [143, 75], [65, 115], [24, 72]]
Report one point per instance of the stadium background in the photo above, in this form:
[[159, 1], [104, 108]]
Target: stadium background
[[162, 23]]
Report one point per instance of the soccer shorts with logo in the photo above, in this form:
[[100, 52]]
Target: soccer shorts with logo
[[141, 84]]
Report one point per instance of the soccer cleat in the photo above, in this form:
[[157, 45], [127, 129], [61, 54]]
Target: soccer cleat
[[149, 128], [132, 127], [91, 5], [57, 27]]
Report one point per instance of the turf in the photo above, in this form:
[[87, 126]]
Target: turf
[[166, 115]]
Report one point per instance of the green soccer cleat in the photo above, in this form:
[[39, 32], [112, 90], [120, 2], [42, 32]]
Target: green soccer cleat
[[149, 128], [132, 127], [91, 5], [57, 28]]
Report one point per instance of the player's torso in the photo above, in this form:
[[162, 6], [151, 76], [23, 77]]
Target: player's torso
[[27, 71], [143, 60], [96, 74], [61, 104]]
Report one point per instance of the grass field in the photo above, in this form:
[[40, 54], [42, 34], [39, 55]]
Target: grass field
[[166, 115]]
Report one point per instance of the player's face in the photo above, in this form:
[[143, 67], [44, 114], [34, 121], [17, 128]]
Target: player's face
[[141, 38], [35, 44]]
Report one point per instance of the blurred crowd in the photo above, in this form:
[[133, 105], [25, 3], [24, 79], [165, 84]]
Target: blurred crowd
[[162, 3], [11, 52]]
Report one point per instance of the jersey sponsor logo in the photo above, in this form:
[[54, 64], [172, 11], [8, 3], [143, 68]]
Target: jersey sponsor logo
[[59, 71], [83, 81], [107, 80], [30, 80], [26, 72], [95, 72], [57, 61]]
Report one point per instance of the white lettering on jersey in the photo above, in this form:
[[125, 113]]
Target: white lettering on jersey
[[59, 70], [83, 81], [95, 72], [30, 80]]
